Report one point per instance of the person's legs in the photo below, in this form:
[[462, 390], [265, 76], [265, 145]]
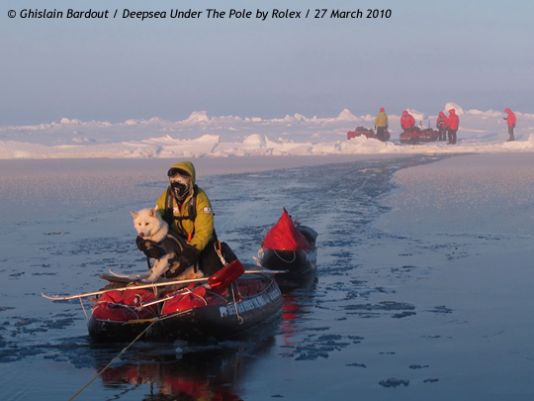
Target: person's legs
[[380, 133], [209, 261]]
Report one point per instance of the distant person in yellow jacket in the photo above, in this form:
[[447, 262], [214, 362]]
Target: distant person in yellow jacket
[[187, 210], [381, 125]]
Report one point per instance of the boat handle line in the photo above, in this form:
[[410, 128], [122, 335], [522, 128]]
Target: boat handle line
[[97, 374]]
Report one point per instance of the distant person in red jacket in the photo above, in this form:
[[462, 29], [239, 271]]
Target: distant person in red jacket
[[442, 123], [452, 127], [407, 121], [510, 120]]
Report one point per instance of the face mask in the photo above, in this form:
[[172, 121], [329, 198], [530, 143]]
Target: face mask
[[180, 186], [179, 190]]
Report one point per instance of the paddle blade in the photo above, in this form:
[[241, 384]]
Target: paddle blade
[[222, 278]]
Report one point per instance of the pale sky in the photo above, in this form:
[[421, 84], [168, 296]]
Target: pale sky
[[477, 54]]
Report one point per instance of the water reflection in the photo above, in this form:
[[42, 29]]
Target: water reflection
[[183, 371]]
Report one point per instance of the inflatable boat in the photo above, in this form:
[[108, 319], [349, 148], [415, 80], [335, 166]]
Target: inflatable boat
[[191, 313]]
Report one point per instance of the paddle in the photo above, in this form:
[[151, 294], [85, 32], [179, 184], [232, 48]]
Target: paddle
[[225, 276]]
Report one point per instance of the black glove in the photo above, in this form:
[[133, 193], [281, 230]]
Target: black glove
[[149, 248], [189, 256]]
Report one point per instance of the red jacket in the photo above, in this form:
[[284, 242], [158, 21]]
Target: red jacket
[[407, 121], [454, 121], [442, 120], [510, 118]]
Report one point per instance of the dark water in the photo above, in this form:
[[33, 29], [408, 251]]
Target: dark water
[[351, 334]]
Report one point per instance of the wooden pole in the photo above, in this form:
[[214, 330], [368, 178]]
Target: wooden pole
[[152, 285]]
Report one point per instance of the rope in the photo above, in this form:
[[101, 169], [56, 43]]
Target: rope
[[239, 318], [198, 296], [157, 301], [97, 374], [83, 308], [285, 260]]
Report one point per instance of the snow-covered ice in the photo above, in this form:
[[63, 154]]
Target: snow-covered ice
[[200, 134]]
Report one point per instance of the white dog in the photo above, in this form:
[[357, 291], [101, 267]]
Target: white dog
[[151, 227]]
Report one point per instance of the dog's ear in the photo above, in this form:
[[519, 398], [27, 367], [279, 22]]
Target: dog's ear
[[134, 214], [152, 212]]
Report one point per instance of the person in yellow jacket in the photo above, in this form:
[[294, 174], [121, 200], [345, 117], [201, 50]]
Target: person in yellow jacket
[[187, 210], [381, 125]]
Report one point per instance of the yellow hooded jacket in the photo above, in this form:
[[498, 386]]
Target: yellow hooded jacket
[[198, 231], [381, 120]]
